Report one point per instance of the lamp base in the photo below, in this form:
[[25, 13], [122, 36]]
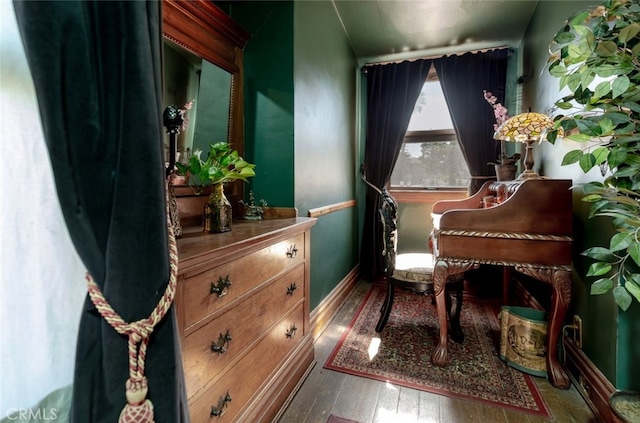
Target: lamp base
[[529, 174]]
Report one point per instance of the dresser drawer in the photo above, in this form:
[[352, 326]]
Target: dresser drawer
[[208, 350], [210, 290], [246, 377]]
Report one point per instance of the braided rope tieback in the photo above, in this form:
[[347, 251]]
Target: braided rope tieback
[[138, 409]]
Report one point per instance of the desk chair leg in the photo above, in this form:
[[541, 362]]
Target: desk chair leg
[[386, 307], [454, 313]]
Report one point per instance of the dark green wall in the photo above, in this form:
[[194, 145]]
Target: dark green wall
[[300, 88], [269, 99], [325, 161], [610, 334]]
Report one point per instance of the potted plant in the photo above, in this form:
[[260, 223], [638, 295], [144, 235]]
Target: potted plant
[[505, 165], [596, 57], [221, 166]]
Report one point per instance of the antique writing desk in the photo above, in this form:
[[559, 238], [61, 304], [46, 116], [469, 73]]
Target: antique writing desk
[[529, 229]]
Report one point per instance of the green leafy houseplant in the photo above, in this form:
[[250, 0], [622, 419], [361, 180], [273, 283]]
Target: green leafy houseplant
[[596, 57], [221, 165]]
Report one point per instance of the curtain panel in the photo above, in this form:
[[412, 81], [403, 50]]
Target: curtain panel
[[96, 67], [463, 79], [392, 91]]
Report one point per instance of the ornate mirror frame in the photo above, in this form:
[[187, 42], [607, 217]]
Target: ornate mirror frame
[[205, 30]]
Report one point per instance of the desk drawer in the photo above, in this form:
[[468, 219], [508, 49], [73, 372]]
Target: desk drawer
[[231, 332], [208, 291], [246, 377]]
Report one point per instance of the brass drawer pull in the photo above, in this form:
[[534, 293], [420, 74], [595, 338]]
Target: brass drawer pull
[[222, 404], [292, 251], [291, 289], [222, 345], [292, 331], [222, 287]]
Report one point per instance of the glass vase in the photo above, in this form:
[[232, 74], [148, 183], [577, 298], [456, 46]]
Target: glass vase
[[217, 212]]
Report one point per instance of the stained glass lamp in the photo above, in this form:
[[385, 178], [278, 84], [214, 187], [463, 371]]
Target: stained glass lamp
[[528, 128]]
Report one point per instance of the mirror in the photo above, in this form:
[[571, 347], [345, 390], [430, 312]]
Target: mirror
[[203, 61], [191, 78]]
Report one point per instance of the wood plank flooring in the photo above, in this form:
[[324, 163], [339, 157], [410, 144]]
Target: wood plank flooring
[[326, 392]]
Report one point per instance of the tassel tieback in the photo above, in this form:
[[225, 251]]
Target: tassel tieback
[[138, 408]]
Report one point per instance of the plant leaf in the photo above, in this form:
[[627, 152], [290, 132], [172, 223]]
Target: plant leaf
[[587, 162], [557, 70], [616, 157], [634, 252], [598, 269], [564, 37], [606, 49], [622, 297], [633, 288], [620, 241], [601, 154], [580, 18], [620, 85], [628, 32], [572, 157], [591, 198], [606, 70], [627, 171], [601, 286], [602, 89], [579, 137], [599, 253]]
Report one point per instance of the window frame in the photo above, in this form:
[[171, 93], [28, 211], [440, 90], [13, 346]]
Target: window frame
[[420, 137]]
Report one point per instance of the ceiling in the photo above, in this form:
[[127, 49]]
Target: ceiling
[[407, 28]]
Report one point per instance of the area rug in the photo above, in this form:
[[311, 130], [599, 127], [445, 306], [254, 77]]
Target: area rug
[[403, 355]]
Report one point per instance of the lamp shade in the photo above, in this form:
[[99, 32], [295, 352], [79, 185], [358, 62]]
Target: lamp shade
[[523, 127]]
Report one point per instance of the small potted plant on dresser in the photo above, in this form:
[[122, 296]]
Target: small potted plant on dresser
[[222, 165]]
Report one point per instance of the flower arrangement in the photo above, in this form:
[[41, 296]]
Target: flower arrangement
[[501, 114], [499, 111]]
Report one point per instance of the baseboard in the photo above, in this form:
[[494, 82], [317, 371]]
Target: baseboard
[[592, 385], [321, 315]]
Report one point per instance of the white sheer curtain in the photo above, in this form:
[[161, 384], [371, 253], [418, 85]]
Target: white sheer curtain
[[42, 284]]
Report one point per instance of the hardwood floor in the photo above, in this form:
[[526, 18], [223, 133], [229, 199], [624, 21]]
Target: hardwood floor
[[327, 392]]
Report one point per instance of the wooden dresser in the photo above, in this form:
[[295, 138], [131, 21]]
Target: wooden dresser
[[243, 310]]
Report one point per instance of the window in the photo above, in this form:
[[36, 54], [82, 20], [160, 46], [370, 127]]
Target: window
[[430, 156]]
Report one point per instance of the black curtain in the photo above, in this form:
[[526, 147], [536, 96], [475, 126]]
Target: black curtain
[[463, 79], [392, 91], [96, 66]]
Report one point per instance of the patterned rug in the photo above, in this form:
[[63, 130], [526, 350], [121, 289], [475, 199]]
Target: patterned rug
[[403, 357]]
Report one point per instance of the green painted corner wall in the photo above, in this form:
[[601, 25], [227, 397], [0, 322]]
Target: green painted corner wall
[[610, 335], [325, 146], [269, 97], [300, 124]]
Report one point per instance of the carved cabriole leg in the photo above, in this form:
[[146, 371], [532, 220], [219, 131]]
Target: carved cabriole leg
[[560, 281], [441, 272]]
